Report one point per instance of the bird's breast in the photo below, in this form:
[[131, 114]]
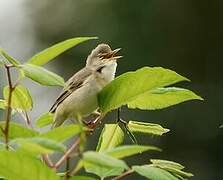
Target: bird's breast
[[108, 72]]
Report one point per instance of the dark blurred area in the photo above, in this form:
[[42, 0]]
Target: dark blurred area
[[185, 36]]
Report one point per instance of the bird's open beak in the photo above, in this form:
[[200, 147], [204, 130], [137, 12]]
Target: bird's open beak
[[111, 55], [114, 54]]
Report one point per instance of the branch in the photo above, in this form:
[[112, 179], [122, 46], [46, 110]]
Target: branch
[[123, 175], [9, 109], [67, 168], [67, 153]]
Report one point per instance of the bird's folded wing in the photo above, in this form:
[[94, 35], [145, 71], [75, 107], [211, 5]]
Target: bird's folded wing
[[75, 82]]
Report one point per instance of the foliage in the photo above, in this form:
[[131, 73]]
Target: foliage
[[145, 89]]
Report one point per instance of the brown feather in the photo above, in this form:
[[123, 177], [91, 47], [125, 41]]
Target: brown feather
[[75, 82]]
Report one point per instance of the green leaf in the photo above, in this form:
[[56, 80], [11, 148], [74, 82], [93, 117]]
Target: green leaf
[[172, 167], [44, 120], [15, 165], [162, 97], [18, 131], [111, 136], [21, 98], [50, 53], [42, 75], [81, 178], [38, 145], [159, 162], [147, 128], [9, 58], [153, 173], [131, 85], [2, 104], [62, 133], [129, 150], [103, 165]]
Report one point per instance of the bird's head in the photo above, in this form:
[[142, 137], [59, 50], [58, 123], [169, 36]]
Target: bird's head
[[102, 56]]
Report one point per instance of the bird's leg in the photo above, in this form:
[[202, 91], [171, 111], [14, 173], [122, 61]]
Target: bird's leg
[[94, 123], [96, 112]]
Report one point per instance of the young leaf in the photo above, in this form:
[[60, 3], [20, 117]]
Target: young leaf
[[44, 120], [162, 97], [2, 104], [131, 85], [153, 173], [9, 58], [18, 131], [62, 133], [50, 53], [159, 162], [21, 98], [38, 145], [41, 75], [129, 150], [111, 136], [15, 165], [173, 167], [178, 172], [147, 128], [103, 165]]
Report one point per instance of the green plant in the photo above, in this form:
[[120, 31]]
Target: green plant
[[24, 151]]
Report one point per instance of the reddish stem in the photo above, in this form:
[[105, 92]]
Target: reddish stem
[[67, 153]]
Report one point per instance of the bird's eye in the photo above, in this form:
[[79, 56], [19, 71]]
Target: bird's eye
[[100, 69], [102, 55]]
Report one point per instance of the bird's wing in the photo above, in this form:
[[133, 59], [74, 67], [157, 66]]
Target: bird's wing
[[75, 82]]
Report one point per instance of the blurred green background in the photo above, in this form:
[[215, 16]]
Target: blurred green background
[[182, 35]]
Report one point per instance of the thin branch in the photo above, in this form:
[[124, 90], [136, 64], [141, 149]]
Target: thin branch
[[9, 109], [67, 153], [67, 168], [126, 173]]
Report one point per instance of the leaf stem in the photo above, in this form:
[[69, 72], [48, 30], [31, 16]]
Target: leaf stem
[[125, 125], [118, 115], [28, 121], [126, 173]]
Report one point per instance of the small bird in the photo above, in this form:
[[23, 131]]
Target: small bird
[[79, 96]]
